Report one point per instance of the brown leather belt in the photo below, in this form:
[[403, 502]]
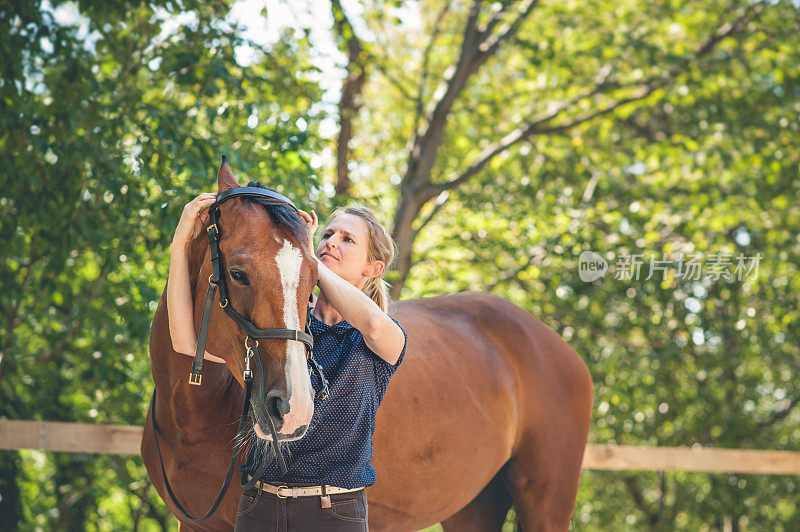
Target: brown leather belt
[[284, 492]]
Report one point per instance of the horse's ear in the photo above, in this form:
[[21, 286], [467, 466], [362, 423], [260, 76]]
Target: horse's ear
[[225, 178]]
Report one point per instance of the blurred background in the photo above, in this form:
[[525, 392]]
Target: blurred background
[[500, 141]]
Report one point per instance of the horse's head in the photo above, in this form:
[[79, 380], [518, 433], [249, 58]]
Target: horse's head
[[269, 274]]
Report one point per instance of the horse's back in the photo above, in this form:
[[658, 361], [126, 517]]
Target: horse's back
[[496, 339], [477, 373], [499, 331]]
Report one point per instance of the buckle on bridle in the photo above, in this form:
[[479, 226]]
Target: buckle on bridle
[[248, 374], [195, 378]]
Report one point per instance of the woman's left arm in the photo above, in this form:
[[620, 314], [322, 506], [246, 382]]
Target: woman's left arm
[[382, 335]]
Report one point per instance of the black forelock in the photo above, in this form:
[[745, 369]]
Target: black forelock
[[280, 212]]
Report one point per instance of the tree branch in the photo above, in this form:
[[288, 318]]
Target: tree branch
[[351, 89], [492, 43], [531, 129], [427, 142], [420, 106], [495, 20], [416, 188], [636, 493], [730, 28], [780, 414], [437, 208]]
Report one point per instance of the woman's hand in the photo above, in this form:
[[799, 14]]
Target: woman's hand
[[193, 218], [312, 223]]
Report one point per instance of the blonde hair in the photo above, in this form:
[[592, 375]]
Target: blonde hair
[[380, 247]]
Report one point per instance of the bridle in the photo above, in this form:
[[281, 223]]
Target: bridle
[[217, 280]]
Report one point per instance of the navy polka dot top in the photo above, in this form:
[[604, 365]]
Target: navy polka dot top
[[337, 447]]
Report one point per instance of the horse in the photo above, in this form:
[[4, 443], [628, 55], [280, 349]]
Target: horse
[[490, 407]]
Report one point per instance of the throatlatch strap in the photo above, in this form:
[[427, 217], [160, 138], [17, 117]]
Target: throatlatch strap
[[196, 376]]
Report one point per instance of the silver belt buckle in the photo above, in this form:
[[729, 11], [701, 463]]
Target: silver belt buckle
[[325, 499]]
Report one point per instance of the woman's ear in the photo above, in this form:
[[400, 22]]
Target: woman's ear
[[375, 269]]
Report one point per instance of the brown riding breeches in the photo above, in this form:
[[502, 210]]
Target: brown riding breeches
[[261, 511]]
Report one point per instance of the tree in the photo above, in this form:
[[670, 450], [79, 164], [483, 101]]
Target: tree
[[111, 121], [624, 129], [504, 140]]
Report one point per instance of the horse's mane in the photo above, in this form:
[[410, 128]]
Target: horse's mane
[[280, 212]]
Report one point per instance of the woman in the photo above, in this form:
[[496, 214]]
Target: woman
[[359, 348]]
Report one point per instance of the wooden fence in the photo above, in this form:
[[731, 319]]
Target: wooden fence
[[125, 439]]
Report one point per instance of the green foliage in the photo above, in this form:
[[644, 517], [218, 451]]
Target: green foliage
[[704, 164], [106, 130]]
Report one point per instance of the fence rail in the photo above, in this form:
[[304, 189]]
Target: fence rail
[[70, 437], [125, 439]]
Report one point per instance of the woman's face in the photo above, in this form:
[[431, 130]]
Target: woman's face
[[344, 249]]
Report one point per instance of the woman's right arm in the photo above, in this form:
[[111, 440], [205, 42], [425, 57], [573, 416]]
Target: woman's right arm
[[179, 295]]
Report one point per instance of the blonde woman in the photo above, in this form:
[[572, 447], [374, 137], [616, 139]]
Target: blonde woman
[[359, 347]]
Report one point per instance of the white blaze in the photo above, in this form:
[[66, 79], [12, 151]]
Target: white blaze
[[301, 404]]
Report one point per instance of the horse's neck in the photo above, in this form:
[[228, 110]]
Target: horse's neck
[[187, 414], [171, 368]]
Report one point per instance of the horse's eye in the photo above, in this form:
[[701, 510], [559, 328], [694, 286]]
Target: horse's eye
[[240, 277]]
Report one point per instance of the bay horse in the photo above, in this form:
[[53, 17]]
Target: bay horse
[[489, 408]]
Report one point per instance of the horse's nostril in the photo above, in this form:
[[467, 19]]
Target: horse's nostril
[[277, 407], [280, 407]]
